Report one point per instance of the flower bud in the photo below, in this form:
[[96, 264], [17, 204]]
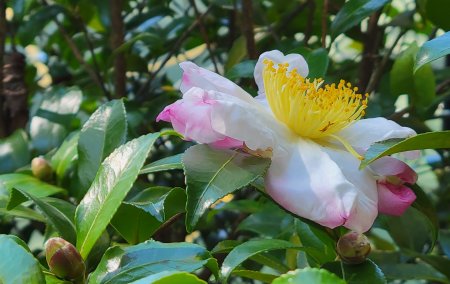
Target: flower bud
[[41, 168], [353, 248], [63, 259]]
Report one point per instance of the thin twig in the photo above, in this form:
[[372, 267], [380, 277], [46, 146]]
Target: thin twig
[[2, 51], [173, 50], [117, 39], [324, 23], [204, 34], [247, 27], [376, 76]]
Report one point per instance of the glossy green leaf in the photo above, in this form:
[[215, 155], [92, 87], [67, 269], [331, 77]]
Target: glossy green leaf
[[45, 134], [366, 272], [429, 140], [105, 130], [19, 266], [165, 164], [242, 70], [29, 184], [14, 151], [54, 216], [433, 49], [151, 257], [114, 179], [211, 174], [439, 263], [244, 251], [412, 231], [309, 275], [352, 13], [317, 62], [65, 156], [170, 277]]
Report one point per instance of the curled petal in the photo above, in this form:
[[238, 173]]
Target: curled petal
[[308, 182], [389, 166], [295, 61], [195, 76], [365, 132], [191, 116], [394, 199]]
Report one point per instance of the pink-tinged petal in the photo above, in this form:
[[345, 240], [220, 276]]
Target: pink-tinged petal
[[195, 76], [227, 143], [307, 181], [365, 132], [294, 60], [191, 117], [389, 166], [394, 199]]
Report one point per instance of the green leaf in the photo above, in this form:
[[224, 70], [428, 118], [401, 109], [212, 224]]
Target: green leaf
[[244, 251], [19, 211], [14, 152], [170, 277], [429, 140], [237, 52], [29, 184], [310, 276], [211, 174], [317, 62], [151, 257], [440, 263], [165, 164], [137, 219], [424, 205], [413, 271], [64, 157], [432, 50], [420, 86], [242, 70], [366, 272], [352, 13], [412, 231], [436, 11], [444, 241], [112, 183], [105, 130], [256, 275], [59, 220], [45, 134], [19, 266]]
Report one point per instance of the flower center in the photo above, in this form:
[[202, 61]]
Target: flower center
[[307, 108]]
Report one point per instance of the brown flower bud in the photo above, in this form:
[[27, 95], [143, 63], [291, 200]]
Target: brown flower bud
[[41, 168], [353, 248], [63, 259]]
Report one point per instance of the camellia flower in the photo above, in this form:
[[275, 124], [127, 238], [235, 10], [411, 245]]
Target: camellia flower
[[313, 133]]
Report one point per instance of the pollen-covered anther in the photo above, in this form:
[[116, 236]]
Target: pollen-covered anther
[[308, 108]]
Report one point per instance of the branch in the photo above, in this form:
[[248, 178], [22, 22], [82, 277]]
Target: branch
[[2, 51], [175, 47], [247, 27], [117, 39], [376, 76], [204, 34], [324, 23]]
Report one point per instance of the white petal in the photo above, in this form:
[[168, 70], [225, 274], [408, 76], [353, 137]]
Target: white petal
[[295, 61], [247, 122], [308, 182], [195, 76], [365, 132]]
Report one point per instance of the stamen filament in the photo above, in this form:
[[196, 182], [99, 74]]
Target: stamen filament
[[347, 146]]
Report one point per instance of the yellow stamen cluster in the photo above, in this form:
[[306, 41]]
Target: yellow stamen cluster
[[306, 107]]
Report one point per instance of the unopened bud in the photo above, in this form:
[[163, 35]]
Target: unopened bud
[[41, 168], [353, 248], [63, 259]]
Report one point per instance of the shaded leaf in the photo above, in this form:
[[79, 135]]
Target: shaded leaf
[[309, 275], [14, 151], [169, 277], [366, 272], [165, 164], [433, 49]]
